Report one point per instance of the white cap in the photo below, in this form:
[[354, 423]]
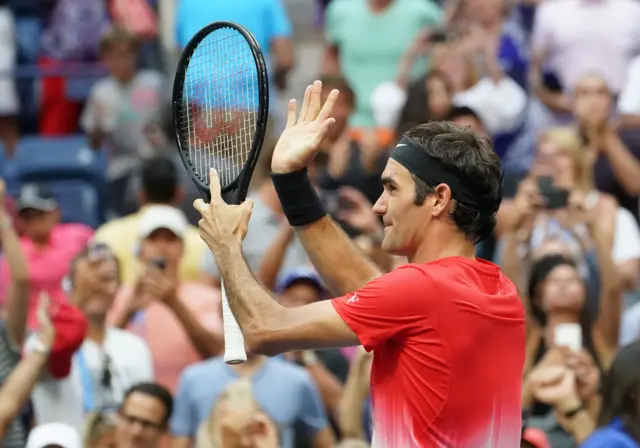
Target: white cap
[[162, 217], [387, 101], [54, 434]]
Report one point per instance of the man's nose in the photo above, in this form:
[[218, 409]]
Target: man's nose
[[380, 207]]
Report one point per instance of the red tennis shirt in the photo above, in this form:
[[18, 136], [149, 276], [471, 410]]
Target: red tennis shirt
[[449, 349]]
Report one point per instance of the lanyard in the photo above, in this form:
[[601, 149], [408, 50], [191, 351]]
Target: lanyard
[[86, 379]]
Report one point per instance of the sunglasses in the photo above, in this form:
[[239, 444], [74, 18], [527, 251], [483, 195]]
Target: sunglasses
[[106, 377]]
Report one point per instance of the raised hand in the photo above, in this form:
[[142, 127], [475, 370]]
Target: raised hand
[[221, 222], [299, 142]]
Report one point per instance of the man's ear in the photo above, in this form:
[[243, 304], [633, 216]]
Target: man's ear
[[442, 200]]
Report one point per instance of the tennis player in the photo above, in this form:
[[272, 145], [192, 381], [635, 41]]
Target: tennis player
[[447, 329]]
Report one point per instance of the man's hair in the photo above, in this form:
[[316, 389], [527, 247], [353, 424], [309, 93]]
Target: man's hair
[[340, 83], [116, 35], [160, 180], [463, 112], [154, 390], [473, 159]]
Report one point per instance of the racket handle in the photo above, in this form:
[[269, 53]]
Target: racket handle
[[234, 352]]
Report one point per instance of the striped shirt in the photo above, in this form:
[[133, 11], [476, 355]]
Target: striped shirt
[[9, 358]]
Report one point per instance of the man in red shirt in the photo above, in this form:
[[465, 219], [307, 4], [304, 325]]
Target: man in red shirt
[[447, 329]]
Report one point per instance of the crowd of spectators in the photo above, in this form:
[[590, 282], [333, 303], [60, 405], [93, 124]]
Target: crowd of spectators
[[110, 329]]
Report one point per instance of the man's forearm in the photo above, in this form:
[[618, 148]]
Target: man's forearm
[[18, 293], [340, 263], [205, 342]]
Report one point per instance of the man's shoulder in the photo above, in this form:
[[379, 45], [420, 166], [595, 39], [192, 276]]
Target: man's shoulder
[[123, 339], [288, 372], [206, 370], [114, 228]]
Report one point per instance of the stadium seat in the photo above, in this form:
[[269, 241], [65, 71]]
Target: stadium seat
[[74, 172]]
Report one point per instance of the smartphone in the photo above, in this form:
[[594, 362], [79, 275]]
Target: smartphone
[[555, 197], [442, 36], [159, 263], [568, 335]]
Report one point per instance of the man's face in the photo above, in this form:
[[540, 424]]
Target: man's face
[[140, 421], [403, 220], [299, 293], [37, 224], [162, 244], [592, 98], [120, 60], [106, 273]]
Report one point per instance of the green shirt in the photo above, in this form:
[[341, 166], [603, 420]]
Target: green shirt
[[371, 45]]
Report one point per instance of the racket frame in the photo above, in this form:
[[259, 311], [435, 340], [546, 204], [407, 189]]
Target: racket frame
[[236, 191]]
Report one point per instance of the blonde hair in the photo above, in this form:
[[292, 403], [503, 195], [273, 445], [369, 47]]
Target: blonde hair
[[96, 426], [115, 35], [441, 51], [568, 142], [240, 395]]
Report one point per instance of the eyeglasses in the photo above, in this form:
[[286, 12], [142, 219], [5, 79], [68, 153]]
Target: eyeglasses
[[105, 380], [146, 424]]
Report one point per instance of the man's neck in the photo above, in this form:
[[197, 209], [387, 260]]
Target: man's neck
[[97, 329], [254, 362], [435, 247], [379, 5]]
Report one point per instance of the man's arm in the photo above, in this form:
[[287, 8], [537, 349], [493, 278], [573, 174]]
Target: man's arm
[[338, 260], [271, 328], [18, 292]]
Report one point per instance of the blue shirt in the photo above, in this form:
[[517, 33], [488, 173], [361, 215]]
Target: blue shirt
[[283, 391], [265, 19], [612, 436]]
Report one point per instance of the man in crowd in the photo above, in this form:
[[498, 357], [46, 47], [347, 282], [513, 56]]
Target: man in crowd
[[109, 361], [161, 185], [181, 321]]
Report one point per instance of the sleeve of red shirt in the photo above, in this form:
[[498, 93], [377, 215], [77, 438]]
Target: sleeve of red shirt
[[388, 306]]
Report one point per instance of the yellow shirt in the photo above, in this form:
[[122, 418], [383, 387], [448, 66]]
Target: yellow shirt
[[121, 235]]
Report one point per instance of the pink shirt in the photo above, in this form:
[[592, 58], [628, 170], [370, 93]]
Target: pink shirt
[[170, 346], [48, 265], [588, 37]]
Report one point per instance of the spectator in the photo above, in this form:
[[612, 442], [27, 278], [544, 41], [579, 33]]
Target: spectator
[[266, 19], [100, 430], [285, 392], [17, 386], [618, 419], [181, 321], [348, 31], [48, 245], [118, 108], [572, 39], [13, 323], [236, 420], [54, 435], [143, 416], [109, 360], [161, 185]]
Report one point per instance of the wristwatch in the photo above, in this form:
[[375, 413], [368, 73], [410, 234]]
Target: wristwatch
[[41, 347]]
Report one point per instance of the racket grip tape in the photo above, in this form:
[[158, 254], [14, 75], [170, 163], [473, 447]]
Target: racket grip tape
[[234, 352]]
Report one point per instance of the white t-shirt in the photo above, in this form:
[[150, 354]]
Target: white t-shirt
[[63, 400]]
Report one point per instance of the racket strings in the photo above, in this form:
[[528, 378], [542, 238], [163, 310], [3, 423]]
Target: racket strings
[[220, 105]]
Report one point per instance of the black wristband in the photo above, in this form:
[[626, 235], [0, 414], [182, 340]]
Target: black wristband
[[300, 202]]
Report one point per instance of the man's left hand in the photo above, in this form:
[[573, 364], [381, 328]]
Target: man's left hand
[[222, 224]]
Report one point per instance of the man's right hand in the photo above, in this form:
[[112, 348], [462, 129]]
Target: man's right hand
[[301, 139]]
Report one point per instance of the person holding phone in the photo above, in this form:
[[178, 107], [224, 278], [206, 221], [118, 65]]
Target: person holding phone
[[181, 321]]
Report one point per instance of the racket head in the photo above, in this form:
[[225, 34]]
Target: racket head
[[220, 107]]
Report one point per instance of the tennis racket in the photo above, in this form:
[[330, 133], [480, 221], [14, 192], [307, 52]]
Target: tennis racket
[[220, 107]]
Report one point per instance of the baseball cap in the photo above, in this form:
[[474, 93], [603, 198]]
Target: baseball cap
[[71, 329], [36, 197], [54, 434], [536, 437], [162, 217], [300, 273]]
